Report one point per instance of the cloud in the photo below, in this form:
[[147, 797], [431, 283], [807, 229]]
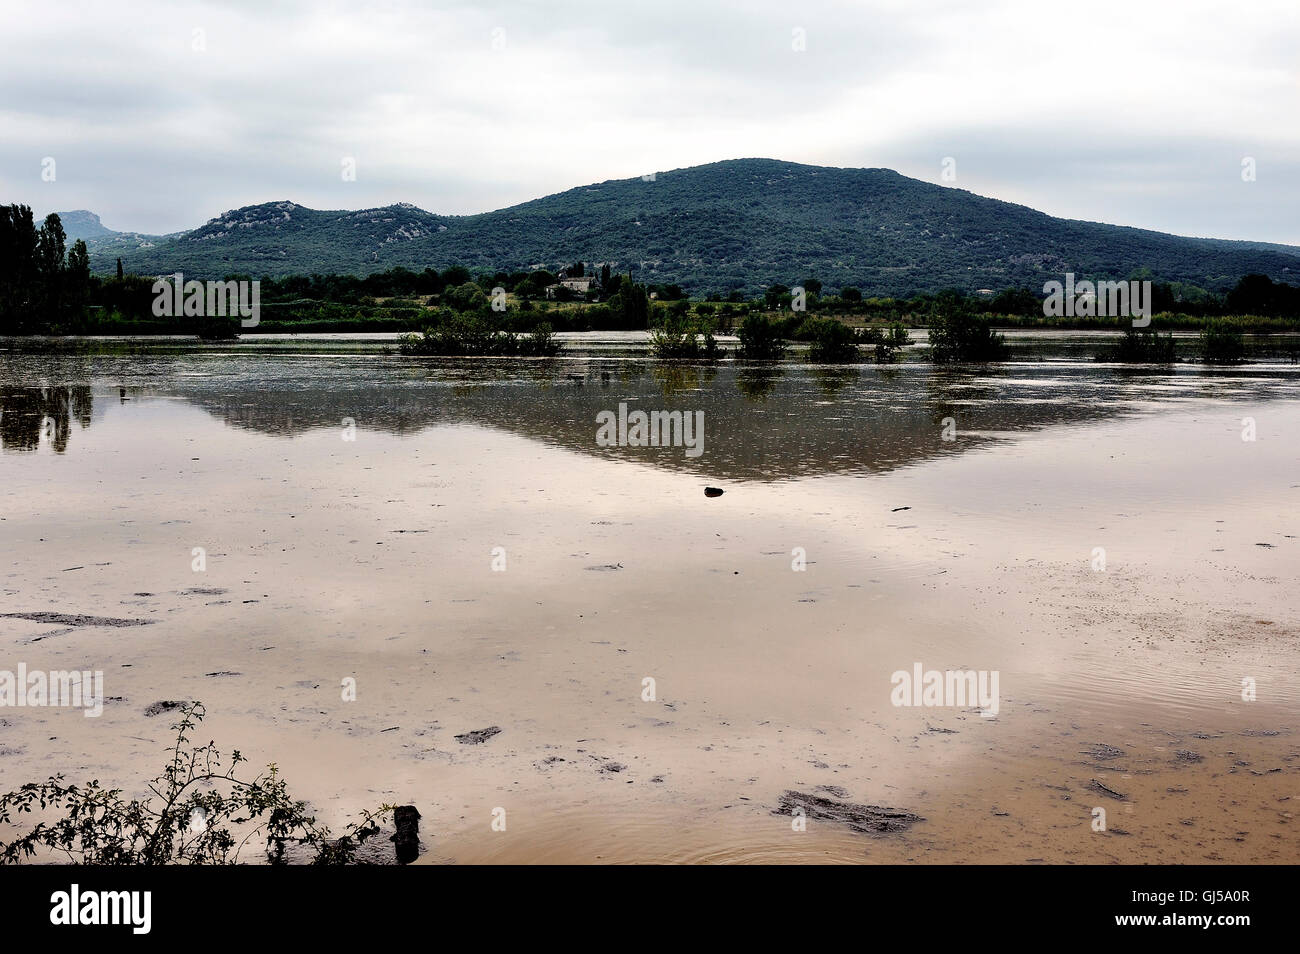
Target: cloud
[[1133, 113]]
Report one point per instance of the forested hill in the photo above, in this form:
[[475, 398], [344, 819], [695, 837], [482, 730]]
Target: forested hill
[[741, 223]]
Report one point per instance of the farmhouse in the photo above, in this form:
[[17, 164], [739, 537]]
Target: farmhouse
[[577, 285]]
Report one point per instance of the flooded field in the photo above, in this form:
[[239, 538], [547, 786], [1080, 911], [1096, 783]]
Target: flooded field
[[1118, 548]]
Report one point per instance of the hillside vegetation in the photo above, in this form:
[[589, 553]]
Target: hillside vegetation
[[739, 225]]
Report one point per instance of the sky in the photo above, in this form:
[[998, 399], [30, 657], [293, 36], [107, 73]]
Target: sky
[[159, 116]]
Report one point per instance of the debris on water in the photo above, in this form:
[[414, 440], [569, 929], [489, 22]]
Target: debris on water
[[896, 509], [836, 790], [613, 767], [1101, 789], [406, 839], [478, 735], [1186, 755], [1103, 753], [605, 566], [871, 819], [163, 705], [713, 491], [76, 619]]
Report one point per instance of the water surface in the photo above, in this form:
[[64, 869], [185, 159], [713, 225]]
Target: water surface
[[350, 505]]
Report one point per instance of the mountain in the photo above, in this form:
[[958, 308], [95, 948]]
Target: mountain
[[104, 244], [81, 224], [742, 223]]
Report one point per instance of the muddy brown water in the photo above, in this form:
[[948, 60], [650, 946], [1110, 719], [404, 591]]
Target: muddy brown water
[[350, 507]]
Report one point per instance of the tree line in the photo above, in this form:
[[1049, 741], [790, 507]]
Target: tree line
[[45, 286], [42, 281]]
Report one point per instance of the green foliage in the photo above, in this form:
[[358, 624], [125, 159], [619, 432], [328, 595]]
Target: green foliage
[[956, 335], [680, 337], [887, 343], [760, 339], [467, 334], [776, 296], [833, 342], [43, 287], [1141, 346], [215, 327], [629, 306], [735, 225], [1222, 343], [202, 810], [1260, 295], [540, 342], [466, 296]]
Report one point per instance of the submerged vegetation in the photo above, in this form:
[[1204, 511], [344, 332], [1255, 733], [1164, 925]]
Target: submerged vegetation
[[1222, 343], [957, 336], [682, 338], [475, 335], [201, 811], [1141, 346], [887, 344], [760, 339]]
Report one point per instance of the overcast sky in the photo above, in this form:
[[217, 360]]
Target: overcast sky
[[160, 115]]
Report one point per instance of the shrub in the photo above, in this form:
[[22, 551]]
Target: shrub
[[1141, 346], [957, 336], [216, 328], [888, 343], [760, 339], [680, 338], [1222, 343], [540, 343], [833, 342], [465, 297], [201, 812], [471, 335]]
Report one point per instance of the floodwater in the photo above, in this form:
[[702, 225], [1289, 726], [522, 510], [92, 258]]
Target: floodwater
[[1119, 546]]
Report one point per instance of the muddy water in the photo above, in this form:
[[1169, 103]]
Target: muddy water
[[348, 507]]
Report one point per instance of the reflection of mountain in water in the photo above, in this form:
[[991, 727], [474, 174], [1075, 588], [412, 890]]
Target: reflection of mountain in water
[[760, 422], [29, 414]]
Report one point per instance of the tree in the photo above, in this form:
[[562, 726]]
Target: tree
[[77, 277], [630, 306], [774, 294], [50, 247], [1222, 343], [119, 269], [466, 296], [760, 339], [455, 275], [18, 240], [957, 335]]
